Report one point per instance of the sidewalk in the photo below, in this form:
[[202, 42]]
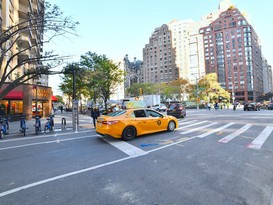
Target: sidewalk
[[84, 123]]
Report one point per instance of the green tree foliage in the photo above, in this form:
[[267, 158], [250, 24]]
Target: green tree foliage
[[14, 57], [67, 81], [147, 88], [181, 87], [210, 90], [103, 75], [59, 98]]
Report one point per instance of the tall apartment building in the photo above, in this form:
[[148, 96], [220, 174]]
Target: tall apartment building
[[14, 12], [267, 77], [232, 50], [188, 46], [158, 57], [24, 99], [175, 50]]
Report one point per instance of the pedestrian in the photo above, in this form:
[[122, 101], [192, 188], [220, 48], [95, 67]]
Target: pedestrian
[[95, 113], [2, 111], [61, 108], [209, 105], [234, 106], [216, 106]]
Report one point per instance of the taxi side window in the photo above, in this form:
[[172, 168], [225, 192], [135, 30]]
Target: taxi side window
[[139, 113], [151, 113]]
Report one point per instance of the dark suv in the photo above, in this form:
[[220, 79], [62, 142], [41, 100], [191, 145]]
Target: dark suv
[[177, 110], [252, 106]]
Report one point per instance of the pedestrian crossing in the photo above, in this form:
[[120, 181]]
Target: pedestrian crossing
[[204, 129]]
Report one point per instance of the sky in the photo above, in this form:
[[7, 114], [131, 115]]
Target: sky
[[118, 27]]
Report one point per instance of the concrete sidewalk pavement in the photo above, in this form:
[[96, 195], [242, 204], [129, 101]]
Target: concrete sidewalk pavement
[[84, 123]]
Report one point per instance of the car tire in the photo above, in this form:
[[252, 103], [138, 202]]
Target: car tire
[[171, 126], [129, 133]]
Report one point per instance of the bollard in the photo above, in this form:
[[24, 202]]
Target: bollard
[[63, 124]]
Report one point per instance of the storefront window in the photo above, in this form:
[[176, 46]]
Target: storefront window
[[39, 108], [4, 104], [16, 106], [12, 106]]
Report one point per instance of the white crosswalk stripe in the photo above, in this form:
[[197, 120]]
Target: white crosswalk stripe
[[258, 142], [215, 130], [198, 123], [198, 128], [235, 134], [187, 122]]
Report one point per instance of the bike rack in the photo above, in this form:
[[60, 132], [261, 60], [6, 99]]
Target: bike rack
[[63, 123]]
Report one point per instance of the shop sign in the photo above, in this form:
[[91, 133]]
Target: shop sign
[[41, 93]]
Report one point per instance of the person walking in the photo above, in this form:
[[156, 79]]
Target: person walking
[[234, 106], [95, 113], [61, 108], [209, 105]]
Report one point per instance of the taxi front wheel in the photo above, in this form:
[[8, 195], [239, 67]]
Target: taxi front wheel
[[129, 133], [171, 126]]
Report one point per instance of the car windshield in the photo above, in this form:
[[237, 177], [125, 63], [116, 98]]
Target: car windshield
[[173, 106]]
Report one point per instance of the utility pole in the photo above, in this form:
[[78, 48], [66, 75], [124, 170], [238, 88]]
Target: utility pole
[[197, 91], [75, 110], [74, 82]]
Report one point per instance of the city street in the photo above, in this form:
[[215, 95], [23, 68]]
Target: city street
[[214, 157]]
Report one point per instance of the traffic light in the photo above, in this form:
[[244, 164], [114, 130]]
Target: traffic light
[[140, 91]]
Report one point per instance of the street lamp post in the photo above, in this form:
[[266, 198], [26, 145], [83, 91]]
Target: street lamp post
[[197, 91], [75, 111], [73, 83]]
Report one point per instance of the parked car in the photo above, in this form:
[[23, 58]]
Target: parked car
[[128, 124], [253, 106], [270, 106], [161, 108], [177, 110]]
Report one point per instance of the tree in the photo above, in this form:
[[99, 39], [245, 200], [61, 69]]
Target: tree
[[21, 62], [67, 81], [104, 74], [59, 98], [180, 86], [209, 89]]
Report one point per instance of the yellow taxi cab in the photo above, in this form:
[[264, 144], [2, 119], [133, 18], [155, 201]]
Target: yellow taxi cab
[[130, 123]]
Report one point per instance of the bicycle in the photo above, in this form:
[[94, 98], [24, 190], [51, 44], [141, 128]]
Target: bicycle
[[49, 125], [23, 125], [37, 125], [4, 127]]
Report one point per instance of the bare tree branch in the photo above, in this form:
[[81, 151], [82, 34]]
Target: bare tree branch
[[49, 22]]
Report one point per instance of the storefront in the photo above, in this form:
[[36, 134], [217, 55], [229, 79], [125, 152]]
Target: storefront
[[24, 99]]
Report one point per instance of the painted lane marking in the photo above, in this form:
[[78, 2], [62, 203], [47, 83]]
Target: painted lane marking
[[48, 142], [213, 131], [258, 142], [198, 123], [125, 147], [187, 122], [198, 128], [43, 136], [60, 177], [11, 191], [235, 134]]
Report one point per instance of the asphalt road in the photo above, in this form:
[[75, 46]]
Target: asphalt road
[[215, 157]]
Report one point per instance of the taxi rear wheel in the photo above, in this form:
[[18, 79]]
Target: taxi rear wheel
[[129, 133], [171, 126]]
